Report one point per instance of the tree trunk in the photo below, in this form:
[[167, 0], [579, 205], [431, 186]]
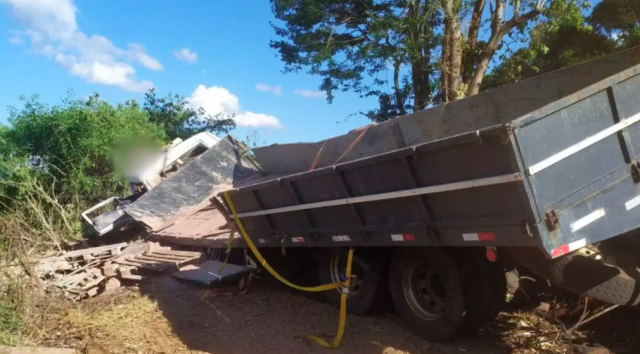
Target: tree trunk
[[481, 69], [420, 90], [420, 31], [498, 31], [468, 59], [396, 87], [452, 50]]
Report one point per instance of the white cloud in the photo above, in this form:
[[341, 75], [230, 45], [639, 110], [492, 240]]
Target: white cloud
[[216, 100], [276, 90], [17, 40], [310, 94], [186, 55], [51, 27]]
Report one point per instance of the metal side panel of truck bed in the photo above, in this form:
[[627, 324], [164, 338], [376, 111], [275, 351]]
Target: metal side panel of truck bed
[[486, 109], [560, 177]]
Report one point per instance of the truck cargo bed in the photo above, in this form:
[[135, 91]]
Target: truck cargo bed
[[559, 177]]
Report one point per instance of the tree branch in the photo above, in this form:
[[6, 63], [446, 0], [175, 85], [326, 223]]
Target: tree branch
[[496, 19], [498, 31], [476, 18], [396, 86], [472, 41], [515, 21]]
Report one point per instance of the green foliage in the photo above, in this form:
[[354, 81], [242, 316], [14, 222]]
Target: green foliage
[[409, 54], [568, 38], [10, 314], [619, 19], [57, 160], [413, 53], [551, 49], [67, 146], [363, 47], [173, 114]]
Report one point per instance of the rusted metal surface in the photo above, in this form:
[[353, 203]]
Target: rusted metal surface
[[205, 228], [298, 157]]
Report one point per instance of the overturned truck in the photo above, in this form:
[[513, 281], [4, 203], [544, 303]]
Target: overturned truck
[[439, 203]]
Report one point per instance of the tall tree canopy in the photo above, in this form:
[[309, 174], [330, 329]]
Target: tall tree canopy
[[613, 25], [414, 53], [179, 120], [619, 19]]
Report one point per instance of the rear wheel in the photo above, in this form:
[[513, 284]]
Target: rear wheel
[[368, 290], [427, 291], [484, 284]]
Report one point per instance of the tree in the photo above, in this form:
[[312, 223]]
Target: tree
[[407, 53], [571, 39], [68, 145], [179, 120], [619, 19], [550, 50]]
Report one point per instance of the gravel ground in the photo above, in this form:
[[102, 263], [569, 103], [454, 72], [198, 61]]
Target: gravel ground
[[164, 315], [269, 319]]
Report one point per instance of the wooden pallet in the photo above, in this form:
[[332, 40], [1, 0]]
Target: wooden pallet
[[160, 259]]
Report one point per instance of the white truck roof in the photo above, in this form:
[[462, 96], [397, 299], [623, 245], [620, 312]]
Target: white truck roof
[[174, 151], [204, 139]]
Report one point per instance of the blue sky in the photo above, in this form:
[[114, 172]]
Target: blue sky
[[216, 53], [48, 47]]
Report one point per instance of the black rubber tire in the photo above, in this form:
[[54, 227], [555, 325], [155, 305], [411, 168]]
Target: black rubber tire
[[484, 284], [373, 292], [447, 325], [584, 275]]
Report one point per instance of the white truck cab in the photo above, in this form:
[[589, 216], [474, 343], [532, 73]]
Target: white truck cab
[[175, 155]]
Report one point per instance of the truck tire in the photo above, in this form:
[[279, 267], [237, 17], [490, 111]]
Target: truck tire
[[584, 275], [427, 291], [369, 289], [484, 285]]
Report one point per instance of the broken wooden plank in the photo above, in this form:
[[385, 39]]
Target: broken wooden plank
[[71, 282], [154, 246], [159, 258], [93, 250], [179, 253], [125, 273], [68, 276], [158, 267], [139, 260], [93, 282], [109, 270]]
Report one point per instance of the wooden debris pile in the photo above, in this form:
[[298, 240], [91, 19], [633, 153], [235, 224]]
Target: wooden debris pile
[[77, 274], [85, 273], [159, 259]]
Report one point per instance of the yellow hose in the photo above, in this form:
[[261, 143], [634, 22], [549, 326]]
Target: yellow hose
[[345, 284]]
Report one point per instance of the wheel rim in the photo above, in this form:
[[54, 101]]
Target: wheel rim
[[337, 270], [424, 291]]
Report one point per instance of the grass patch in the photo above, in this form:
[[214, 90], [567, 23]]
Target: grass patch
[[11, 311]]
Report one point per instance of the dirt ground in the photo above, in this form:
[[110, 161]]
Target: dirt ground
[[164, 315]]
